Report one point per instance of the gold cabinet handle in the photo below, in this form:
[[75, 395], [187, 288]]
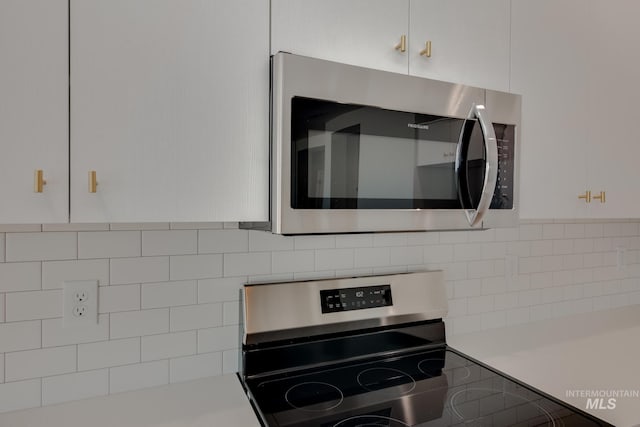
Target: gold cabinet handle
[[586, 196], [426, 52], [602, 197], [402, 46], [93, 182], [39, 181]]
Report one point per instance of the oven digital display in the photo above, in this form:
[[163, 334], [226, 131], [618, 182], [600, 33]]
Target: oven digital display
[[336, 300]]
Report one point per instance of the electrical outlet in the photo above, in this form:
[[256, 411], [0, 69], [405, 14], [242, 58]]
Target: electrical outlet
[[80, 302]]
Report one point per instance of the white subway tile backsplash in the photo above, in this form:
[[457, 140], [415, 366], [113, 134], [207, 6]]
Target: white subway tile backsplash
[[16, 336], [252, 264], [20, 395], [389, 239], [230, 361], [20, 276], [218, 339], [22, 365], [193, 367], [168, 294], [481, 304], [196, 317], [334, 259], [494, 319], [55, 273], [292, 261], [354, 241], [467, 252], [530, 232], [261, 241], [164, 346], [118, 298], [371, 257], [552, 231], [105, 354], [125, 271], [55, 334], [82, 385], [467, 288], [139, 226], [231, 313], [480, 269], [33, 305], [140, 375], [406, 255], [454, 237], [174, 242], [138, 323], [188, 267], [111, 244], [222, 241], [41, 246], [313, 242], [218, 290], [438, 254]]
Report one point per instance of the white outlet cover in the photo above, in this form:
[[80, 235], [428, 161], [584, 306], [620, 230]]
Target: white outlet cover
[[80, 303]]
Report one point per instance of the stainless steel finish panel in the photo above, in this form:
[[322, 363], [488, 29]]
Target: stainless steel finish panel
[[294, 75], [506, 108], [293, 305]]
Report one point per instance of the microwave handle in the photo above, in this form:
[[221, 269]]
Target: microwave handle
[[475, 216]]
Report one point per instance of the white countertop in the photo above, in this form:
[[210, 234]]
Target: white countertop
[[216, 401], [596, 351]]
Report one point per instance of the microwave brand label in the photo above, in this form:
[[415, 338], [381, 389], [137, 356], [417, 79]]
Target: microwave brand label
[[417, 126]]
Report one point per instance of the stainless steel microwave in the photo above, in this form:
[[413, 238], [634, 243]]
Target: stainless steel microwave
[[362, 150]]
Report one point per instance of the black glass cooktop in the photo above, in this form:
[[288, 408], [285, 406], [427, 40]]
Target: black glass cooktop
[[430, 388]]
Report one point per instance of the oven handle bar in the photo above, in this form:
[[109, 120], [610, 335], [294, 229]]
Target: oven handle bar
[[479, 112]]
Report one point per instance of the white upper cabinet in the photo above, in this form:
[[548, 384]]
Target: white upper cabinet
[[34, 107], [469, 41], [469, 38], [550, 68], [576, 64], [615, 114], [357, 32], [169, 106]]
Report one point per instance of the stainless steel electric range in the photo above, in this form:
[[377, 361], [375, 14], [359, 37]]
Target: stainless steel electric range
[[371, 351]]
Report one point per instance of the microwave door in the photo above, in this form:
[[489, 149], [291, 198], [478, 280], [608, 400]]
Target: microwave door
[[476, 165]]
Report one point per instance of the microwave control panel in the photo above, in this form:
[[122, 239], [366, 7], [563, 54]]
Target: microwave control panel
[[503, 194], [336, 300]]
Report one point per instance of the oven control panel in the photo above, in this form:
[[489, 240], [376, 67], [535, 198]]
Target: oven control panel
[[336, 300]]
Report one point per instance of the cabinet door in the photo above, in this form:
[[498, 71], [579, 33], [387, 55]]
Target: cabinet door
[[615, 94], [550, 68], [358, 32], [169, 105], [469, 41], [34, 85]]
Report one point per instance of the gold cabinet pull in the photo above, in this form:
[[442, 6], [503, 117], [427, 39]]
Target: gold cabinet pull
[[586, 196], [93, 182], [402, 46], [39, 181], [426, 52], [602, 197]]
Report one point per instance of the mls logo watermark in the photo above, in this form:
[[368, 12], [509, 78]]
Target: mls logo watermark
[[602, 399], [601, 403]]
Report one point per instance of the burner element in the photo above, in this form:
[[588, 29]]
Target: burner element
[[314, 396], [491, 411], [370, 421], [374, 379]]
